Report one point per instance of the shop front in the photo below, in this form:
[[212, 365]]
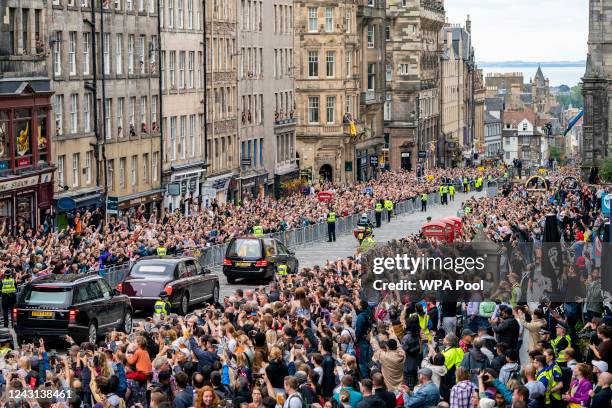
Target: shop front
[[25, 201], [217, 188], [184, 185], [145, 202], [69, 203], [254, 184], [286, 181]]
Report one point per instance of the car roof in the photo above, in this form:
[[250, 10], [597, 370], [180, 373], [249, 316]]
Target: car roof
[[166, 260], [66, 279]]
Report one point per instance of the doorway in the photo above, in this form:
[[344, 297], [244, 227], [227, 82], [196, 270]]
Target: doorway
[[326, 172]]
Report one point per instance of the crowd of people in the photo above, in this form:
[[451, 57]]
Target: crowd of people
[[322, 338]]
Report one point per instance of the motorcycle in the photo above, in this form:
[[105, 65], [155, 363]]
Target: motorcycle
[[362, 232]]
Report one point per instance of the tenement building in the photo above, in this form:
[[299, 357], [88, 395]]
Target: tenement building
[[412, 71], [339, 80], [103, 64], [26, 160], [597, 87]]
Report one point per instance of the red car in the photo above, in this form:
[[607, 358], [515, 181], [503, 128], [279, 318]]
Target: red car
[[182, 278]]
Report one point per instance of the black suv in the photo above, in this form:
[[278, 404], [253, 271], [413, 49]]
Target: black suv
[[82, 306]]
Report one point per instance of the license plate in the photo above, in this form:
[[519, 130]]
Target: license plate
[[243, 264], [42, 314]]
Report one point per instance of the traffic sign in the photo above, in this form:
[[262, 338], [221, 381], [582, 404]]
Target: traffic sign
[[605, 204], [325, 196], [112, 205], [422, 154]]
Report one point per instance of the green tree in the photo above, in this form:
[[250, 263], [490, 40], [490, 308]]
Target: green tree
[[606, 170], [574, 98], [554, 153]]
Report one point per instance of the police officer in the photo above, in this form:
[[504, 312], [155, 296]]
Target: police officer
[[331, 226], [281, 270], [445, 193], [367, 243], [451, 192], [423, 202], [560, 343], [162, 306], [9, 295], [161, 250], [378, 209], [389, 208], [465, 185], [258, 229]]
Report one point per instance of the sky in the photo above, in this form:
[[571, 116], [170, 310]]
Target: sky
[[526, 30]]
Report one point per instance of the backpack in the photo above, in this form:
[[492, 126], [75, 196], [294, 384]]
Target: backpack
[[309, 396], [298, 395], [515, 375]]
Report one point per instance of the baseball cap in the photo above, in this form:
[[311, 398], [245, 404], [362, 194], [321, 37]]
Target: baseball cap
[[467, 332], [602, 365]]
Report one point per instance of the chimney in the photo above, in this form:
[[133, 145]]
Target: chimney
[[468, 25]]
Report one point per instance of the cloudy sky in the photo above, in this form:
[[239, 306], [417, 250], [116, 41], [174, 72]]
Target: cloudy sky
[[527, 30]]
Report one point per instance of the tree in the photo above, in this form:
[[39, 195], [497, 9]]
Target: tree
[[574, 98], [606, 170], [554, 153]]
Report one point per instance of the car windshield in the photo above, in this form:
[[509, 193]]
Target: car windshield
[[244, 248], [46, 296], [148, 269]]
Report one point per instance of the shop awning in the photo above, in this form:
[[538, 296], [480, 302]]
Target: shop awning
[[78, 199], [219, 182], [286, 169]]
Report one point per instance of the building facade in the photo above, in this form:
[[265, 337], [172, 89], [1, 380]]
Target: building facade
[[26, 157], [412, 73], [339, 65], [479, 113], [104, 70], [522, 138], [597, 87]]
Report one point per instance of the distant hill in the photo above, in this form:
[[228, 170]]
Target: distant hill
[[521, 64]]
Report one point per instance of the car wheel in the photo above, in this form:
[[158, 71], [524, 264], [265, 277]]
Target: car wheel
[[184, 308], [231, 281], [215, 295], [92, 333], [126, 327]]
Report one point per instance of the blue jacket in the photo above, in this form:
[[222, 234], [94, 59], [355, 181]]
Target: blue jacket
[[205, 357], [362, 325], [120, 371], [426, 396]]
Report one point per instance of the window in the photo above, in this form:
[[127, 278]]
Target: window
[[387, 107], [370, 36], [370, 3], [192, 131], [143, 48], [72, 52], [404, 69], [110, 168], [371, 76], [329, 19], [190, 67], [190, 14], [57, 53], [129, 6], [182, 146], [313, 64], [122, 172], [170, 13], [180, 13], [58, 108], [86, 45], [120, 106], [162, 12], [107, 118], [106, 46], [349, 64], [75, 169], [86, 112], [145, 167], [331, 103], [171, 68], [131, 111], [154, 110], [88, 161], [387, 33], [61, 176], [312, 19], [141, 5], [173, 138], [143, 113], [347, 22], [181, 81], [133, 170], [200, 71], [74, 98], [329, 62], [154, 161], [313, 109], [388, 72], [162, 68], [118, 57], [130, 54]]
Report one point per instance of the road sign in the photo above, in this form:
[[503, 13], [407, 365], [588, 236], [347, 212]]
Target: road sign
[[245, 161], [605, 204], [112, 205], [325, 196], [422, 154]]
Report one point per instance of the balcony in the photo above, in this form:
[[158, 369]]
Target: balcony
[[371, 97]]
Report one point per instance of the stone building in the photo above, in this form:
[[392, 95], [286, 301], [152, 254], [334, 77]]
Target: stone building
[[541, 99], [457, 95], [339, 63], [479, 113], [182, 67], [412, 102], [266, 97], [26, 155], [122, 93], [597, 87]]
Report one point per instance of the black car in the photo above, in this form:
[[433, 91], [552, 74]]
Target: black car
[[182, 278], [256, 258], [81, 305]]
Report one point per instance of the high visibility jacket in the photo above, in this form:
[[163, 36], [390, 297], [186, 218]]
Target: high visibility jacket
[[465, 180], [506, 174], [378, 207], [8, 285], [544, 374], [561, 357], [423, 324], [451, 189], [367, 243], [514, 294], [389, 205], [161, 307], [490, 177], [552, 383], [4, 351], [281, 270], [331, 217], [445, 190], [161, 251], [440, 190], [467, 210], [453, 357], [258, 231], [424, 197]]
